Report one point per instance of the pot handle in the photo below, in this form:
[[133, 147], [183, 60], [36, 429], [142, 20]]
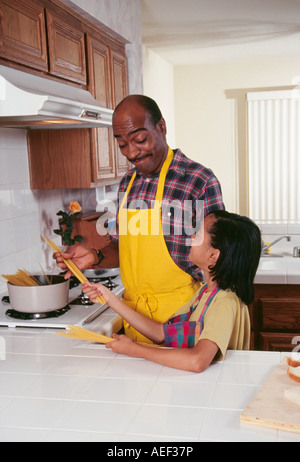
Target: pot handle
[[5, 299]]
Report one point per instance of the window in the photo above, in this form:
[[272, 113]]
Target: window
[[274, 156]]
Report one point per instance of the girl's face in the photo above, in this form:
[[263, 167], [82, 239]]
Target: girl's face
[[201, 250]]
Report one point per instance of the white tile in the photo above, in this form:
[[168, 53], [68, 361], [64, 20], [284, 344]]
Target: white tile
[[232, 396], [8, 265], [251, 374], [168, 421], [34, 232], [4, 401], [269, 358], [45, 344], [124, 367], [116, 390], [288, 437], [27, 364], [11, 138], [31, 200], [57, 387], [273, 228], [20, 233], [224, 425], [14, 384], [13, 343], [6, 240], [99, 417], [79, 366], [22, 435], [61, 436], [293, 228], [18, 165], [33, 413], [181, 394], [5, 203], [4, 170], [18, 199], [211, 374]]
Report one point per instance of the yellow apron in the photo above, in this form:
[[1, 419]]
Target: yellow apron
[[154, 285]]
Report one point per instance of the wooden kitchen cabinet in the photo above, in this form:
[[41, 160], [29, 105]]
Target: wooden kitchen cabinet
[[83, 158], [34, 30], [23, 33], [119, 85], [80, 158], [57, 161], [275, 317], [100, 86], [108, 162], [66, 47]]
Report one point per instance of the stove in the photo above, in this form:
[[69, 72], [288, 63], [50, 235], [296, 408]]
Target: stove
[[79, 311]]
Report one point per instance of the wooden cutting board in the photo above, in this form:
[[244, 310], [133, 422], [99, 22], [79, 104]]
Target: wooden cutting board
[[269, 408]]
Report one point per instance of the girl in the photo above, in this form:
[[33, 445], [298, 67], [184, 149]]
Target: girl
[[216, 318]]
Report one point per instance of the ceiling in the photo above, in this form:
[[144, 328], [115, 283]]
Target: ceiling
[[206, 31]]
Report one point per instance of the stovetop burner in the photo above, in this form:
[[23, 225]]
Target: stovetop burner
[[106, 281], [26, 316]]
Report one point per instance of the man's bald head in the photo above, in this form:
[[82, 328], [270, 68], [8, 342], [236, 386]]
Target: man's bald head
[[148, 104]]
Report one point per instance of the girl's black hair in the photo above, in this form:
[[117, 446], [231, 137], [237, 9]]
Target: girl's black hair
[[239, 240]]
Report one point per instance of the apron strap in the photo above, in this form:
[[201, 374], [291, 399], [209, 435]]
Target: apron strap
[[162, 177], [208, 302], [127, 190], [161, 182]]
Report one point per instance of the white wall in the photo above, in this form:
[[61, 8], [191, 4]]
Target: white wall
[[158, 82]]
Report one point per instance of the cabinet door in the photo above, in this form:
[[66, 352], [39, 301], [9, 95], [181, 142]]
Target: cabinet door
[[59, 159], [103, 159], [278, 341], [66, 48], [23, 33], [119, 87]]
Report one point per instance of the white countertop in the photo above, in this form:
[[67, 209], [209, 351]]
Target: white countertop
[[58, 389], [278, 270]]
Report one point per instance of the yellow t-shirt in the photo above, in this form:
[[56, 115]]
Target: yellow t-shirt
[[226, 321]]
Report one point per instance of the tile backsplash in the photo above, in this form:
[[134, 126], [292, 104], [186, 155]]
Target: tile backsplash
[[19, 219], [25, 214]]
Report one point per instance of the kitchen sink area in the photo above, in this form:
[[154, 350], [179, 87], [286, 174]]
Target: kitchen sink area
[[281, 269]]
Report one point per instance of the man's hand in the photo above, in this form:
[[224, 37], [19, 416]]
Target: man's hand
[[82, 256]]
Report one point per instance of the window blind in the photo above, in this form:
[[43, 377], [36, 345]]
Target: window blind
[[274, 156]]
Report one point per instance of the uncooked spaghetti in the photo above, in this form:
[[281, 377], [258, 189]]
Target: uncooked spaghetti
[[22, 278], [73, 268]]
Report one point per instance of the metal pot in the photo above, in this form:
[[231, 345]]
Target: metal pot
[[40, 299], [101, 273]]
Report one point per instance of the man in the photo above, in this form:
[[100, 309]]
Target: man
[[159, 200]]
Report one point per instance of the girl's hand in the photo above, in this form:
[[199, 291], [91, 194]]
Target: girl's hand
[[94, 290], [122, 345]]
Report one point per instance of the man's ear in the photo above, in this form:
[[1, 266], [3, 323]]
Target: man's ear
[[162, 126]]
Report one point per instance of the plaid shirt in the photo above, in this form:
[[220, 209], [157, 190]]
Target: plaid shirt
[[189, 187]]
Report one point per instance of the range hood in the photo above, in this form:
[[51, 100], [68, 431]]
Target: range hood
[[29, 101]]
